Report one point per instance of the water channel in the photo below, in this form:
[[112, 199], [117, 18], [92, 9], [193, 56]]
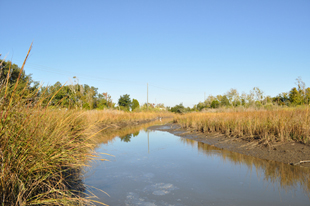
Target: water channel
[[158, 168]]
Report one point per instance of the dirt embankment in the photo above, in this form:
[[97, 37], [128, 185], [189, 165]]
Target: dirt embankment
[[286, 152], [125, 124]]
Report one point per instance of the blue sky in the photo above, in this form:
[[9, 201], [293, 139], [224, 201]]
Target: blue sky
[[183, 49]]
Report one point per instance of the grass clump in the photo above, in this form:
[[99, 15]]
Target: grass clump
[[42, 150]]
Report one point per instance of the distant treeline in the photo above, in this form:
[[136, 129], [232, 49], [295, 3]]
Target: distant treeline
[[299, 95], [68, 96], [80, 96], [71, 96]]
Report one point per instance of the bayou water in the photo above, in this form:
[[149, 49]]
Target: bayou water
[[158, 168]]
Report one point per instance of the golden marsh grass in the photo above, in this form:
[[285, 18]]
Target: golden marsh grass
[[279, 125]]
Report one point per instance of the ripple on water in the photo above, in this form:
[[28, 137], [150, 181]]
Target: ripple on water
[[134, 199], [160, 188]]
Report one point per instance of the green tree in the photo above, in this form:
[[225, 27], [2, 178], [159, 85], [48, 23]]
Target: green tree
[[208, 101], [225, 101], [125, 102], [135, 104], [282, 99], [307, 95], [295, 96], [200, 106], [101, 102], [259, 95], [215, 104], [243, 98], [233, 97], [219, 97], [301, 89], [178, 108], [25, 81]]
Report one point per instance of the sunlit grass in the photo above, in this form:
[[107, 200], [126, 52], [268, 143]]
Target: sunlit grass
[[280, 125], [115, 116]]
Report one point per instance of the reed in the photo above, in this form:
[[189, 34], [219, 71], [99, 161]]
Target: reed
[[279, 125], [115, 116]]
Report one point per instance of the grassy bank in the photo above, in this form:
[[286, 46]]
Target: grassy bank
[[115, 116], [43, 149], [280, 125]]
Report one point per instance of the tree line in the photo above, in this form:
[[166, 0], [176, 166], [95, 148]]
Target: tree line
[[299, 95], [74, 95], [80, 96]]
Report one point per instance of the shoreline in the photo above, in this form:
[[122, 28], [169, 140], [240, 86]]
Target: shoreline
[[286, 152], [124, 124]]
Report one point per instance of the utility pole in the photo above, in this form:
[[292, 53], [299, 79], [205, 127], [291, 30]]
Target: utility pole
[[147, 96]]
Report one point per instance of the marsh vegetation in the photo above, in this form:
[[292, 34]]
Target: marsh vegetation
[[44, 145], [278, 125], [49, 133]]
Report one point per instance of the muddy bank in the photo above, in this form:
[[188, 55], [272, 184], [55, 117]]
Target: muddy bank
[[117, 128], [287, 152], [121, 125]]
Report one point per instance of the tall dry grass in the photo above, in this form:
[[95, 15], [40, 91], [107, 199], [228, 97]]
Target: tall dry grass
[[280, 125], [42, 149], [115, 116]]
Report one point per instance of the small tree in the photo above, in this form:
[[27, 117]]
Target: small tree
[[225, 101], [259, 95], [215, 104], [233, 97], [125, 102], [295, 96], [178, 108], [200, 106], [307, 96], [135, 104]]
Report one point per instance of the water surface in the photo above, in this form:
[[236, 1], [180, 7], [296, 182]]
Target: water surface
[[158, 168]]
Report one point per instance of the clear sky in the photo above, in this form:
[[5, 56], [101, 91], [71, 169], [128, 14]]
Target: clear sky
[[183, 49]]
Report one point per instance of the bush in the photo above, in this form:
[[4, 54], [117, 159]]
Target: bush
[[215, 104]]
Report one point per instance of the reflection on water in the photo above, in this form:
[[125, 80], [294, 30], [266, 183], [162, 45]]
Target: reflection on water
[[127, 137], [158, 168], [288, 176], [126, 133]]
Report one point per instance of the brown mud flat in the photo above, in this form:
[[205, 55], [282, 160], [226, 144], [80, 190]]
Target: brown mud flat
[[286, 152]]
